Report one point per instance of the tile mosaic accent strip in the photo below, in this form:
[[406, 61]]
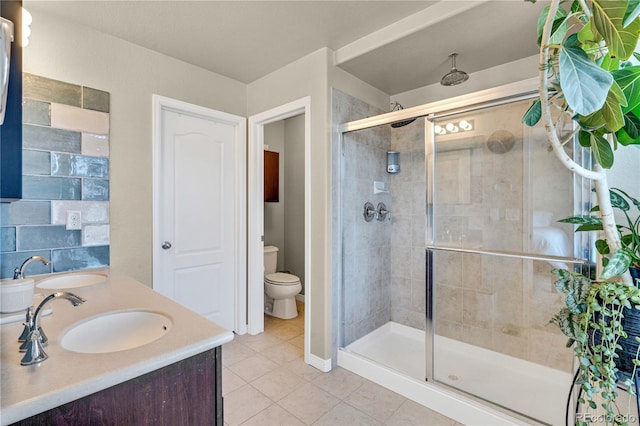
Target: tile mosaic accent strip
[[49, 90], [25, 213], [36, 112], [51, 188], [41, 237], [48, 139], [94, 99], [82, 120]]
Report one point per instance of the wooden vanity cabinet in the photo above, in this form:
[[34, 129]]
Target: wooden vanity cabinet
[[188, 392]]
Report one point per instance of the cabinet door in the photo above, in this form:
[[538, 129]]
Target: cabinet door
[[271, 177], [11, 129]]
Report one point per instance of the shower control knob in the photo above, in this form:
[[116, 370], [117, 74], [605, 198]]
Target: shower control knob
[[166, 245]]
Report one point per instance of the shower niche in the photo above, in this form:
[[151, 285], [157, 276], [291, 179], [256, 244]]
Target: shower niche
[[455, 292]]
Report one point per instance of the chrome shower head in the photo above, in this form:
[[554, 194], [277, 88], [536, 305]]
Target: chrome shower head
[[395, 106], [454, 76]]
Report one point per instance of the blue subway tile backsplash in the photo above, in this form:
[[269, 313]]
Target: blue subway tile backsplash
[[10, 261], [80, 258], [79, 165], [57, 178], [25, 213], [35, 112], [8, 238], [36, 162], [40, 237], [95, 189], [51, 188], [50, 139]]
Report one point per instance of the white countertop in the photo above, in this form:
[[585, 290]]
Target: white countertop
[[67, 376]]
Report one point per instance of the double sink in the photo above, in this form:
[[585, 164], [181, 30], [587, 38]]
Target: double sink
[[109, 331]]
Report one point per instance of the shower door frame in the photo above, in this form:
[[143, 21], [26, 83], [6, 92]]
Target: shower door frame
[[509, 93]]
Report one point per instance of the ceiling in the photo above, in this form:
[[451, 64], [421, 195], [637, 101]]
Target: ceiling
[[393, 45]]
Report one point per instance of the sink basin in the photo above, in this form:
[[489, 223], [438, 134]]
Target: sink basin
[[116, 331], [71, 281]]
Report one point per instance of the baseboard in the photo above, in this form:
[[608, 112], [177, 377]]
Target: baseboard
[[300, 297], [323, 365]]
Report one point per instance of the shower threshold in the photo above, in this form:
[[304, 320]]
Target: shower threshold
[[394, 356]]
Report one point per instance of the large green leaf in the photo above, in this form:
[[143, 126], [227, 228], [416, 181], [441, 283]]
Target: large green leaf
[[592, 121], [631, 126], [559, 27], [568, 323], [608, 17], [582, 220], [633, 11], [584, 139], [602, 150], [585, 85], [618, 201], [533, 114], [619, 262], [628, 79], [612, 108]]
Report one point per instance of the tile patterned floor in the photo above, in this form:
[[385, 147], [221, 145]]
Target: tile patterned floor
[[265, 382]]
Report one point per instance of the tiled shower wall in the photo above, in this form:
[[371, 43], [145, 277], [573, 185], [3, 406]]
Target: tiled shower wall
[[408, 190], [365, 245], [65, 168], [382, 262]]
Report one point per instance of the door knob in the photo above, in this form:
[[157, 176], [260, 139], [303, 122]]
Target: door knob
[[166, 245]]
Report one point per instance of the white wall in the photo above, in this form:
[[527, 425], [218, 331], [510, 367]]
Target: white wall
[[308, 77], [294, 196], [65, 51], [274, 216]]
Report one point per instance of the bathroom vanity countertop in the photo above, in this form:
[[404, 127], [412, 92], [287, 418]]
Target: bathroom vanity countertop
[[67, 376]]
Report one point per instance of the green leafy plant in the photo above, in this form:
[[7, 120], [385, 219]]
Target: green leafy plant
[[593, 321], [590, 85], [629, 254], [587, 76]]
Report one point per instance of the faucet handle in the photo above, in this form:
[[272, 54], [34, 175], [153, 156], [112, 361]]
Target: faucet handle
[[28, 324], [35, 352]]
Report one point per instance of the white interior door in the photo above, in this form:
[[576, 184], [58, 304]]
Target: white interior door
[[199, 242]]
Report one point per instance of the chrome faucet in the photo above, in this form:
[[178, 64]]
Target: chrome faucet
[[18, 273], [33, 345]]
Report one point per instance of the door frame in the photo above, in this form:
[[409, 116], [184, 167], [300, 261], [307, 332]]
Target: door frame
[[160, 104], [255, 231]]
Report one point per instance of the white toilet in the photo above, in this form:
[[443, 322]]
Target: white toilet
[[280, 289]]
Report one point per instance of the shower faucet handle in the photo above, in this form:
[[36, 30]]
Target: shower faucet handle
[[383, 213], [369, 212]]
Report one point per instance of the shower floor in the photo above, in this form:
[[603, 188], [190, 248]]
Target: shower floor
[[531, 389]]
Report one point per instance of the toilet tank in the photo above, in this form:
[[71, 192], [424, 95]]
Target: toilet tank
[[270, 259]]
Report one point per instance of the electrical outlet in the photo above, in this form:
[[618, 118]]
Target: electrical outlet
[[74, 219]]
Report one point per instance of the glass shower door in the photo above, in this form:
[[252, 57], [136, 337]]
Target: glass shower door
[[495, 193]]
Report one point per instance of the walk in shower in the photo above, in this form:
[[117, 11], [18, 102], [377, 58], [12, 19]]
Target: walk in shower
[[454, 292]]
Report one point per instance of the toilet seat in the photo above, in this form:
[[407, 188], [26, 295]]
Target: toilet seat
[[281, 278]]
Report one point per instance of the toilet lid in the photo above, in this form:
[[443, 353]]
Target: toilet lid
[[282, 278]]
